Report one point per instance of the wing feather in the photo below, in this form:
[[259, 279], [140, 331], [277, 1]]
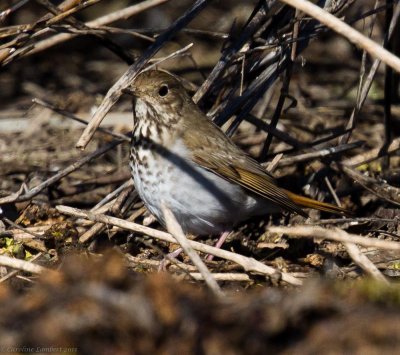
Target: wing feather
[[253, 178]]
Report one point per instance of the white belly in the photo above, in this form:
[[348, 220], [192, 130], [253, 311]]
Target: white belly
[[202, 202]]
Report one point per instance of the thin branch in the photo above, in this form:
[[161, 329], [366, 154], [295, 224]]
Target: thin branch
[[249, 264], [335, 234], [21, 265], [337, 25], [176, 231], [101, 21], [115, 91], [364, 263], [17, 197]]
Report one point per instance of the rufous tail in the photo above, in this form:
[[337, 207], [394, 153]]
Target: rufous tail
[[317, 205]]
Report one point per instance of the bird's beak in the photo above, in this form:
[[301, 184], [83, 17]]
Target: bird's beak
[[130, 91]]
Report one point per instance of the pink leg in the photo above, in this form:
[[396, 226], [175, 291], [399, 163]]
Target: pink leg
[[164, 262], [219, 244]]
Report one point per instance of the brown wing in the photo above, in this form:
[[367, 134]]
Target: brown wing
[[214, 151], [251, 177]]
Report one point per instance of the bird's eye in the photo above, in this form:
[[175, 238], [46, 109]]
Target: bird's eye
[[163, 90]]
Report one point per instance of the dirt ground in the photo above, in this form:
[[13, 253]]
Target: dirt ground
[[87, 287]]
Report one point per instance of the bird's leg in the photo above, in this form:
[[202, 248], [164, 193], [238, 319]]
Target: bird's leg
[[219, 243], [172, 255], [167, 258]]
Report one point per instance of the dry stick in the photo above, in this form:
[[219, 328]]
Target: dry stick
[[388, 91], [99, 227], [335, 234], [381, 189], [223, 277], [253, 24], [368, 83], [189, 270], [23, 229], [322, 153], [105, 41], [62, 14], [108, 201], [284, 91], [274, 63], [116, 30], [109, 18], [374, 49], [169, 56], [38, 27], [131, 218], [364, 263], [270, 167], [24, 33], [370, 155], [176, 231], [356, 221], [15, 272], [68, 170], [21, 265], [124, 199], [11, 9], [67, 114], [103, 209], [112, 194], [354, 251], [249, 264], [115, 91]]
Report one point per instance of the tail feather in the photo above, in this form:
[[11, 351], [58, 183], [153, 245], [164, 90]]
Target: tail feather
[[317, 205]]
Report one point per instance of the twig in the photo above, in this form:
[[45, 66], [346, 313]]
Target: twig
[[17, 197], [331, 21], [249, 264], [99, 227], [356, 221], [364, 263], [176, 231], [270, 167], [115, 91], [112, 194], [368, 83], [13, 8], [253, 24], [388, 90], [15, 272], [169, 56], [23, 229], [381, 189], [284, 92], [335, 234], [101, 21], [354, 251], [223, 277], [21, 265], [370, 155], [77, 119], [318, 154]]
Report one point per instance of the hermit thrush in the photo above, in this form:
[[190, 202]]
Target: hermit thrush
[[181, 159]]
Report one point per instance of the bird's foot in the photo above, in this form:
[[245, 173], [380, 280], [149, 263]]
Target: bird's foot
[[219, 243]]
